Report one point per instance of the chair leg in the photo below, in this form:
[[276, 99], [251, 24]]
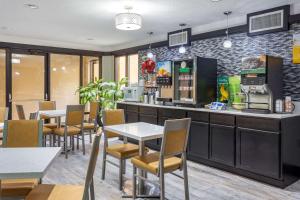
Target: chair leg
[[90, 136], [124, 166], [77, 142], [162, 185], [72, 141], [45, 140], [66, 146], [134, 183], [103, 164], [51, 141], [121, 175], [83, 143], [92, 190], [186, 183], [59, 138]]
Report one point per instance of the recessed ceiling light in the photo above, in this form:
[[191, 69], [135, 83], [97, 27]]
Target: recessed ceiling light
[[30, 5], [63, 68], [17, 73], [216, 0], [54, 69]]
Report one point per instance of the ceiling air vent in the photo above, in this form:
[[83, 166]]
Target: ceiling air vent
[[268, 21], [179, 38]]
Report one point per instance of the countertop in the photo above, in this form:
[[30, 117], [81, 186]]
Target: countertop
[[232, 111]]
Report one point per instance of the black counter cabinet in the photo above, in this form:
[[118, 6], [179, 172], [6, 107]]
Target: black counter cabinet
[[198, 145], [261, 147]]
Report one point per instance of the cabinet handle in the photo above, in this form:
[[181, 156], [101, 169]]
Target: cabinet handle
[[224, 126], [257, 130]]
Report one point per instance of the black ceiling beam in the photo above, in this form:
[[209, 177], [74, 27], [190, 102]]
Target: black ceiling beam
[[35, 49]]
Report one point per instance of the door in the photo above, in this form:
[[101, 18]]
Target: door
[[28, 74], [198, 141], [259, 151], [222, 144]]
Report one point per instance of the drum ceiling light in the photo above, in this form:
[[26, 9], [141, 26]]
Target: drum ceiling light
[[128, 21]]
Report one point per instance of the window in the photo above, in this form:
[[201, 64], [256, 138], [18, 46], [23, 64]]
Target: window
[[127, 66], [2, 78], [91, 69], [133, 68], [65, 72], [120, 68]]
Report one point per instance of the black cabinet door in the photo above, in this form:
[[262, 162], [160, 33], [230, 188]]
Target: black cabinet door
[[152, 144], [132, 117], [222, 144], [198, 141], [259, 152]]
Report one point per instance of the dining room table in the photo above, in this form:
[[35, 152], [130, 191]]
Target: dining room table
[[57, 114], [141, 132], [23, 163]]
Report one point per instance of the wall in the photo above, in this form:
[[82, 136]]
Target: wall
[[229, 60], [108, 68]]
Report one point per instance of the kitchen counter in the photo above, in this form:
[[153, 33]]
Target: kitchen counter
[[230, 111], [264, 147]]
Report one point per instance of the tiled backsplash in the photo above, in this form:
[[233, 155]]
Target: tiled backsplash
[[229, 60]]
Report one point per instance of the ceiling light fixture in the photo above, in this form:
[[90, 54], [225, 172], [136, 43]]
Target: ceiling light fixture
[[227, 43], [182, 49], [128, 21], [31, 6], [216, 1], [149, 53]]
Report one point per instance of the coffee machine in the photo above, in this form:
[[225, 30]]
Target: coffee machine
[[261, 82]]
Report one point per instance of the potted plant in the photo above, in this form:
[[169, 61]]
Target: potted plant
[[106, 93]]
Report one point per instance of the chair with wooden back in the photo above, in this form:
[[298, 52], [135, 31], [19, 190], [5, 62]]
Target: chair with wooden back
[[3, 117], [21, 133], [70, 192], [20, 112], [46, 131], [47, 105], [92, 124], [122, 152], [73, 127], [172, 156]]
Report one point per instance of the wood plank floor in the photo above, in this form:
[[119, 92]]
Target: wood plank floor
[[204, 182]]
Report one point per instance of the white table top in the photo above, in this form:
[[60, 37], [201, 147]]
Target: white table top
[[53, 113], [26, 162], [140, 131]]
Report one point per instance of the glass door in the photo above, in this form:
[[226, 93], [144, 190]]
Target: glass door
[[2, 78], [28, 82]]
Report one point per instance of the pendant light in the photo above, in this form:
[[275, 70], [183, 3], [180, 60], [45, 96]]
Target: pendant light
[[182, 49], [149, 53], [128, 21], [227, 43]]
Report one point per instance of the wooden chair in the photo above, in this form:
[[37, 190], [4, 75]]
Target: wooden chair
[[92, 124], [21, 133], [46, 131], [47, 105], [171, 158], [70, 192], [122, 152], [33, 116], [20, 112], [3, 117], [73, 127]]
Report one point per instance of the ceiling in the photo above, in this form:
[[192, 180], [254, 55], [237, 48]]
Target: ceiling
[[89, 24]]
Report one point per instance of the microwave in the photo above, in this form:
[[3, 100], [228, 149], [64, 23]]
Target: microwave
[[133, 93]]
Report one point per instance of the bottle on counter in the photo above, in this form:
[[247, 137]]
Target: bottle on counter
[[146, 100], [288, 104]]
